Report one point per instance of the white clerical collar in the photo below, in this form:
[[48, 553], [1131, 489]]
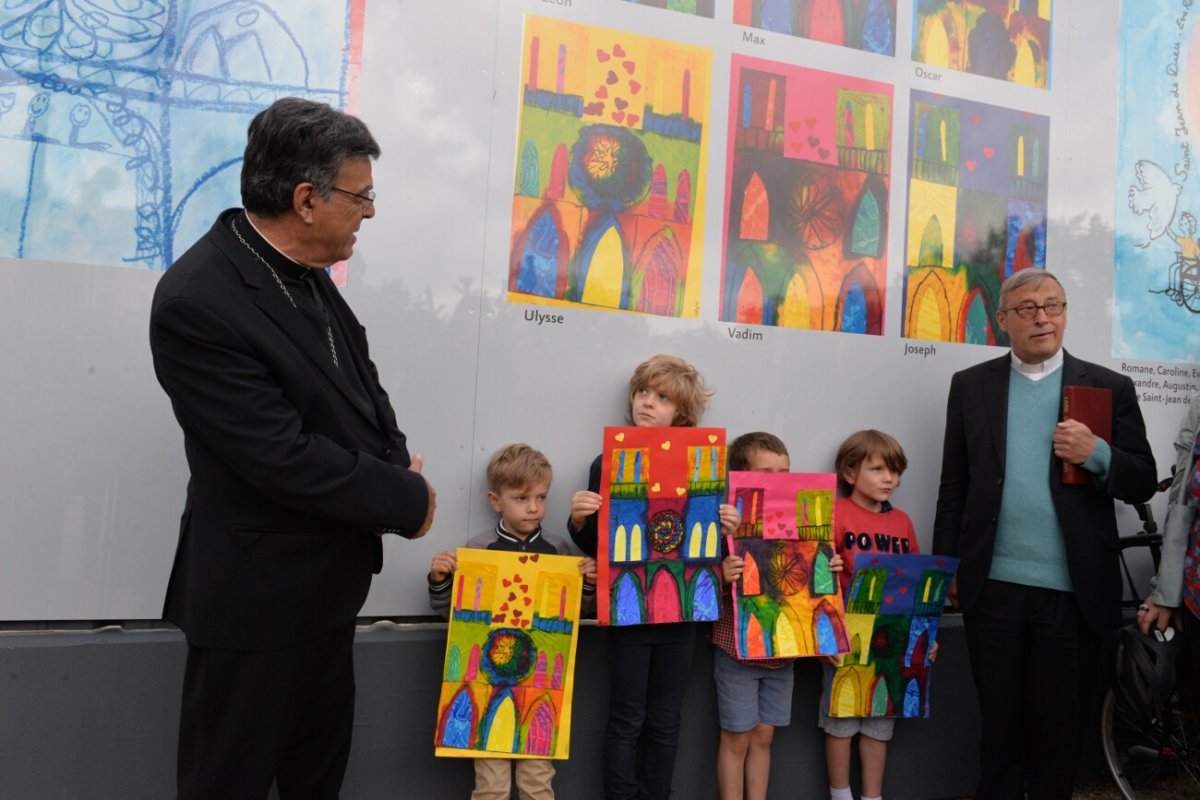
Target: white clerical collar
[[273, 247], [1035, 372]]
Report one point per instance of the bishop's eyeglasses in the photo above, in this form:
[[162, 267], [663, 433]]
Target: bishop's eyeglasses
[[1029, 309], [364, 198]]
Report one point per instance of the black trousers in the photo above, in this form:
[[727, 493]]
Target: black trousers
[[648, 667], [1035, 663], [252, 718]]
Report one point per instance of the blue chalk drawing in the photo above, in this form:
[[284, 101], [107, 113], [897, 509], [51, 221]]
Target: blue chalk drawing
[[122, 122]]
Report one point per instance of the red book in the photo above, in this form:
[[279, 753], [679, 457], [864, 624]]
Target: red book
[[1092, 406]]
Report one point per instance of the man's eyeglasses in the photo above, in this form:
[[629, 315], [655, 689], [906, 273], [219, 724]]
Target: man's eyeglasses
[[1029, 309], [366, 197]]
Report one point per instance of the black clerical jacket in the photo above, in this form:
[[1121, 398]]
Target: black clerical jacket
[[972, 484], [291, 475]]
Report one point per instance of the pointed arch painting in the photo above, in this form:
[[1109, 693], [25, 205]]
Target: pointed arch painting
[[977, 194], [125, 122], [806, 203], [608, 195], [893, 607], [517, 614], [659, 543], [701, 8], [868, 25], [787, 602], [1004, 39]]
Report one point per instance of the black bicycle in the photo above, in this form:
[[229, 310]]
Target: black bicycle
[[1150, 738]]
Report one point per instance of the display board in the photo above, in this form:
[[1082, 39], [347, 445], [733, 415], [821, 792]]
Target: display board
[[812, 201]]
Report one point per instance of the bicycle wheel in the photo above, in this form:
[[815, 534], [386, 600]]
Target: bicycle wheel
[[1142, 754]]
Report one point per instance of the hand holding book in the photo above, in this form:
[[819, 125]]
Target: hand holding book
[[1087, 414]]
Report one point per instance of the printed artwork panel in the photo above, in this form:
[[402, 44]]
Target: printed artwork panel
[[977, 193], [892, 614], [1004, 39], [126, 125], [509, 672], [701, 8], [608, 197], [806, 204], [868, 25], [1156, 270], [787, 602], [659, 547]]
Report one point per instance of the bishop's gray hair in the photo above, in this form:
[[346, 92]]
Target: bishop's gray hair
[[1024, 278], [296, 141]]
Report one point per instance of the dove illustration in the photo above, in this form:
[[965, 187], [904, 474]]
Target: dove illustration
[[1154, 196]]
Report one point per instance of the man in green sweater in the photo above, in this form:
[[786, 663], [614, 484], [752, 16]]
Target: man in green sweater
[[1038, 580]]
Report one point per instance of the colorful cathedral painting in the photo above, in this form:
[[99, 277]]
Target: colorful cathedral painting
[[787, 602], [609, 190], [977, 193], [508, 679], [868, 25], [892, 613], [806, 205], [1004, 39], [660, 528], [701, 8]]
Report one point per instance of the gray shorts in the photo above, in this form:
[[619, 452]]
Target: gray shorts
[[748, 695], [878, 728]]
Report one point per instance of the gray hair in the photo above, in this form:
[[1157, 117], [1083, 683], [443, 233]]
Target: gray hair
[[296, 141], [1024, 278]]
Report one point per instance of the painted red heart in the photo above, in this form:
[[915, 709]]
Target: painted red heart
[[524, 623], [823, 153], [886, 598], [620, 103], [618, 117], [634, 87], [813, 141], [524, 587], [632, 119], [794, 125], [517, 577], [499, 617], [506, 582], [618, 51], [522, 559], [899, 570], [988, 152], [516, 614], [612, 78], [602, 56], [594, 109], [532, 558], [971, 166], [976, 119], [529, 600], [512, 596], [629, 66], [797, 145], [810, 122], [504, 607], [900, 589], [602, 92]]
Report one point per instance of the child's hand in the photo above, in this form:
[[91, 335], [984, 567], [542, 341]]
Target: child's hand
[[731, 568], [932, 657], [836, 564], [443, 564], [587, 568], [833, 661], [730, 518], [583, 505]]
